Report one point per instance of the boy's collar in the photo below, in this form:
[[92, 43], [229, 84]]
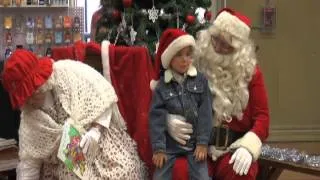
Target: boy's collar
[[168, 76]]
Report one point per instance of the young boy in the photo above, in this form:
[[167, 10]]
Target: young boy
[[181, 93]]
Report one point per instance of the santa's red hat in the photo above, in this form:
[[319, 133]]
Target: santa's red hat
[[171, 42], [23, 74], [233, 22]]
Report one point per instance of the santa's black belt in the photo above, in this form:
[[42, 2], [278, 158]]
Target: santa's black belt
[[222, 137]]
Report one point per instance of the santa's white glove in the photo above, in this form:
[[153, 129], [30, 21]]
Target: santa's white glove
[[242, 160], [28, 170], [178, 128], [90, 139]]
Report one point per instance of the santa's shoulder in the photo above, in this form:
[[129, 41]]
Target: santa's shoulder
[[257, 72], [257, 76]]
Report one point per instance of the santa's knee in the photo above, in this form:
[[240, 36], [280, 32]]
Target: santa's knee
[[224, 170], [230, 174]]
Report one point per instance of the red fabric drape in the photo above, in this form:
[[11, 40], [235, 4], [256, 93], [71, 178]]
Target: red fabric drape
[[131, 70], [76, 52]]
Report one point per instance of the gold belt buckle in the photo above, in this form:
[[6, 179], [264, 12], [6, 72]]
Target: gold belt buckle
[[226, 140]]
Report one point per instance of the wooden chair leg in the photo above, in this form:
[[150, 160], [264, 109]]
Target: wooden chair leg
[[8, 175], [274, 173], [268, 173]]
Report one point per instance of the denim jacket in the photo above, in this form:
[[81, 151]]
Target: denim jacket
[[191, 99]]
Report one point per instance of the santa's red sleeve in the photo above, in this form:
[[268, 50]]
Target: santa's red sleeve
[[260, 106], [259, 132]]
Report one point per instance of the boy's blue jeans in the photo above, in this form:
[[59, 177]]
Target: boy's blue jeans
[[198, 170]]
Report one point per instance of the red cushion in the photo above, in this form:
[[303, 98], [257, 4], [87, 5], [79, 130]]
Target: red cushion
[[180, 169]]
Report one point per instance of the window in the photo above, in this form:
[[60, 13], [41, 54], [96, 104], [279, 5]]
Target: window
[[89, 8]]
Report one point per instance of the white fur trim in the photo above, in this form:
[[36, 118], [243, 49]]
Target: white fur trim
[[192, 71], [153, 84], [232, 24], [168, 76], [105, 60], [175, 46], [251, 142]]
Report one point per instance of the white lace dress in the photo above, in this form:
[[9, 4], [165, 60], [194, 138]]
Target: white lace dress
[[117, 160], [80, 95]]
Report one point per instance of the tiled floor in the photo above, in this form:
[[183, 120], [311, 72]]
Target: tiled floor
[[310, 148]]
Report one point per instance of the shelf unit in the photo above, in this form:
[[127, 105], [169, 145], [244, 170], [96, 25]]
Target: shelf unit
[[37, 3], [36, 6], [19, 38]]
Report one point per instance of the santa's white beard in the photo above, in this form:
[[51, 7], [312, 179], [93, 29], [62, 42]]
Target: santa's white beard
[[228, 76]]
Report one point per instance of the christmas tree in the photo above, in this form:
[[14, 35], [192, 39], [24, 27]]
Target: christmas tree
[[141, 22]]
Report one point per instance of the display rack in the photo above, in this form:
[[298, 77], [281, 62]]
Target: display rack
[[37, 3], [19, 38]]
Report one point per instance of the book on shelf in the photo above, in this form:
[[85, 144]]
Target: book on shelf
[[7, 143], [8, 154]]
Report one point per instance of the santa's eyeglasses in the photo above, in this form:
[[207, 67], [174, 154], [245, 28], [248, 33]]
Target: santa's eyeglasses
[[221, 45]]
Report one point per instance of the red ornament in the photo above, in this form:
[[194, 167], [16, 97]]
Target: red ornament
[[190, 19], [116, 14], [127, 3], [208, 15]]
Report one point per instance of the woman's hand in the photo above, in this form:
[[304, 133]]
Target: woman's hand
[[90, 139]]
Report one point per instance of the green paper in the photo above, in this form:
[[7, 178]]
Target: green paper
[[70, 150], [69, 164], [73, 132]]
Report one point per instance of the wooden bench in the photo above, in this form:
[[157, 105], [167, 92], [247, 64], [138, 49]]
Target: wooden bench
[[271, 169]]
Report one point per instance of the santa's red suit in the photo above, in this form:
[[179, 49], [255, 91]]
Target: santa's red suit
[[255, 121]]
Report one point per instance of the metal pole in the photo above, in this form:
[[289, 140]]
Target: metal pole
[[85, 16], [213, 7]]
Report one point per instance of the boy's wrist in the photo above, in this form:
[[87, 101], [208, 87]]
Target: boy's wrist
[[203, 141], [202, 145], [159, 151]]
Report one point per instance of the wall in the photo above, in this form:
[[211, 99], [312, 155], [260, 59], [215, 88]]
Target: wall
[[290, 59]]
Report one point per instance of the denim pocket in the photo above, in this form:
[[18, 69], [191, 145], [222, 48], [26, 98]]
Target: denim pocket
[[195, 87], [168, 94], [171, 99]]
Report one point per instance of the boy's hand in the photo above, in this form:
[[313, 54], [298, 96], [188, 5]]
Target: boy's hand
[[201, 152], [159, 158]]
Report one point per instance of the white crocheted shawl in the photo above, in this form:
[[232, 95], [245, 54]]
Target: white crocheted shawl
[[84, 95]]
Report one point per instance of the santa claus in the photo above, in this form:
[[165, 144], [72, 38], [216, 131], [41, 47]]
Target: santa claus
[[227, 57]]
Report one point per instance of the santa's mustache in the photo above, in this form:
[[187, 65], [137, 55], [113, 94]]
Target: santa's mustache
[[221, 60]]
